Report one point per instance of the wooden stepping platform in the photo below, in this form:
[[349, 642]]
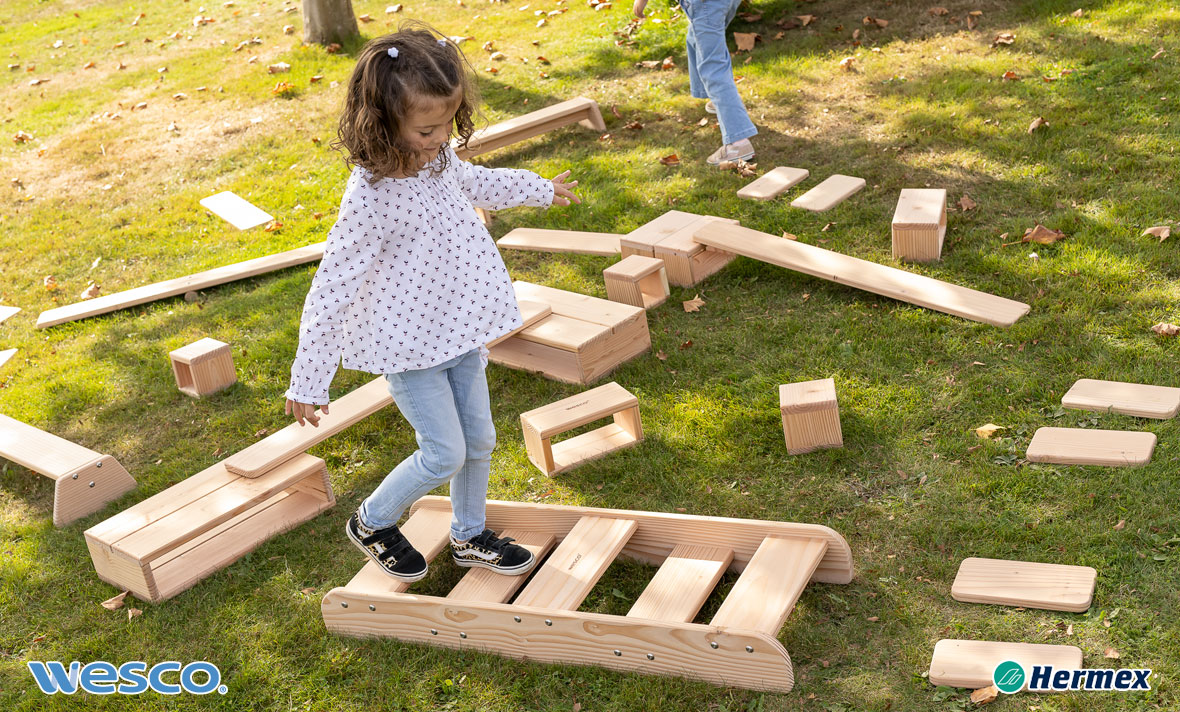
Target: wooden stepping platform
[[970, 663], [84, 480], [1055, 587], [638, 281], [670, 238], [530, 313], [236, 210], [862, 274], [738, 647], [919, 224], [1140, 400], [582, 340], [7, 311], [541, 425], [170, 541], [831, 192], [172, 287], [5, 355], [580, 110], [774, 183], [1085, 446], [539, 240]]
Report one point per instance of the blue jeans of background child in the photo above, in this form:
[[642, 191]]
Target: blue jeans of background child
[[450, 410], [710, 73]]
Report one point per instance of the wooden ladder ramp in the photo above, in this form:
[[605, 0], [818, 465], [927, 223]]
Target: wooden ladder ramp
[[542, 623], [84, 480]]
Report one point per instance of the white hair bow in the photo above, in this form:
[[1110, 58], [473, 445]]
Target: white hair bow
[[392, 52]]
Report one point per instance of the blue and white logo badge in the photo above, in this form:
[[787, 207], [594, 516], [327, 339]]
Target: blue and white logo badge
[[1009, 677], [130, 678]]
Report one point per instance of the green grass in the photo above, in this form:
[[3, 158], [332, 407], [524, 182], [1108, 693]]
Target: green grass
[[913, 490]]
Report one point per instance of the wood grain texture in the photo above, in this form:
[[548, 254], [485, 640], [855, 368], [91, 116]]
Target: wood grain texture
[[578, 409], [862, 274], [682, 583], [1086, 446], [530, 313], [572, 241], [831, 192], [773, 183], [580, 110], [919, 224], [970, 663], [577, 563], [1055, 587], [766, 592], [1137, 399]]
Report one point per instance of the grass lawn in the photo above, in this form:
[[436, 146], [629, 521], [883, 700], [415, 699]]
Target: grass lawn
[[106, 192]]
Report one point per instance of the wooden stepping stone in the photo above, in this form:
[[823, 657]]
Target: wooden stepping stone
[[831, 192], [203, 367], [970, 663], [1055, 587], [236, 210], [774, 183], [919, 224], [5, 355], [1084, 446], [6, 311], [811, 415], [1140, 400], [542, 424], [573, 241]]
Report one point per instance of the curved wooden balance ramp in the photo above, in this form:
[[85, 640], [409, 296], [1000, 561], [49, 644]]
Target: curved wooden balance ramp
[[738, 647]]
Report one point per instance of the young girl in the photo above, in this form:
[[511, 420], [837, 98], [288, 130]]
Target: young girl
[[411, 286]]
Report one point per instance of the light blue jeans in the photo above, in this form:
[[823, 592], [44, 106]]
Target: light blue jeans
[[710, 73], [450, 410]]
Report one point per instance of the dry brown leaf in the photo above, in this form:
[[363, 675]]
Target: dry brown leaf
[[1078, 13], [1158, 54], [848, 64], [750, 16], [984, 695], [661, 355], [805, 19], [779, 35], [498, 56], [393, 8], [1037, 123], [92, 290], [1111, 653], [873, 619], [790, 236], [787, 23], [973, 19], [966, 203], [693, 304], [667, 63], [133, 613], [1121, 525], [938, 11], [741, 167], [1165, 329], [22, 137], [307, 591], [634, 126], [116, 602], [1004, 38], [273, 225], [1163, 232], [987, 431], [745, 40], [1042, 235], [875, 21], [1010, 76], [670, 160], [686, 345], [49, 282], [703, 122]]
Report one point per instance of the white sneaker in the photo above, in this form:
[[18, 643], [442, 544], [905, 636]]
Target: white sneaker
[[710, 106], [741, 150]]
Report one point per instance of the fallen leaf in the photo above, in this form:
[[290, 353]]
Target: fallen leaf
[[288, 29], [489, 46], [973, 19], [745, 40], [667, 63], [847, 64], [875, 21], [49, 282], [966, 203], [873, 619], [1158, 54], [1042, 235], [686, 345], [393, 8], [1121, 525], [116, 602], [634, 126], [694, 304], [984, 695], [1004, 38], [1166, 329], [661, 355], [805, 19], [1163, 232], [987, 431], [938, 11], [787, 23], [92, 290], [1069, 630], [750, 16], [133, 613], [1111, 653], [272, 226], [790, 236], [671, 160], [741, 167], [1010, 76], [364, 18], [1078, 13], [827, 227], [22, 137], [1036, 124], [703, 122], [260, 433]]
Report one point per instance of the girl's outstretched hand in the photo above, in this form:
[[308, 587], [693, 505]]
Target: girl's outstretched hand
[[305, 411], [638, 7], [562, 195]]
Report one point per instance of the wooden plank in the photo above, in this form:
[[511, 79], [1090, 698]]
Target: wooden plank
[[5, 355], [484, 585], [578, 409], [659, 532], [643, 239], [1084, 446], [766, 592], [429, 531], [834, 190], [577, 306], [580, 109], [1140, 400], [236, 210], [862, 274], [530, 313], [172, 287], [563, 332], [1055, 587], [583, 448], [539, 240], [7, 311], [682, 584], [40, 451], [970, 663], [273, 450], [577, 563], [774, 183]]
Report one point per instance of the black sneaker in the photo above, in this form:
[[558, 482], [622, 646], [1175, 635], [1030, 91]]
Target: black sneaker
[[491, 552], [389, 549]]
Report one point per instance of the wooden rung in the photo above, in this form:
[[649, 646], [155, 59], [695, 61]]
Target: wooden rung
[[1084, 446], [573, 241], [766, 592], [970, 663], [1137, 399], [484, 585], [862, 274], [428, 531], [1055, 587], [236, 210], [580, 109], [276, 449], [774, 183], [530, 313], [682, 583], [576, 565], [834, 190]]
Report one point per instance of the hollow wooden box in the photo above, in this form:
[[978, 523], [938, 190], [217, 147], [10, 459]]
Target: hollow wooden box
[[203, 367]]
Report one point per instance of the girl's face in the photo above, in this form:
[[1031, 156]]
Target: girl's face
[[427, 127]]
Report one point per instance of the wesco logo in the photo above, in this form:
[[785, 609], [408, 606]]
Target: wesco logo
[[130, 678]]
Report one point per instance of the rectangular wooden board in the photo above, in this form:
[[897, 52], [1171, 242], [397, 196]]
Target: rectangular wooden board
[[579, 409], [573, 241], [1055, 587], [236, 210], [682, 583], [970, 663], [774, 183], [580, 109], [1140, 400], [766, 592], [40, 451], [7, 311], [1085, 446], [577, 563], [834, 190], [5, 355], [862, 274]]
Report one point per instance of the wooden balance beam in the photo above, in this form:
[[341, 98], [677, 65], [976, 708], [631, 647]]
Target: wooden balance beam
[[862, 274], [84, 480], [738, 647], [581, 110], [535, 239]]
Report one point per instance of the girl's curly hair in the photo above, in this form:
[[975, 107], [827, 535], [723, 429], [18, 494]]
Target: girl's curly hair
[[383, 89]]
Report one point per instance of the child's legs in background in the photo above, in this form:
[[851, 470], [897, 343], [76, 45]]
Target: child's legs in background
[[448, 406], [710, 73]]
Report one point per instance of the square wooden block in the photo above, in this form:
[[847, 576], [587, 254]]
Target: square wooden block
[[919, 224], [811, 416], [638, 281], [203, 367]]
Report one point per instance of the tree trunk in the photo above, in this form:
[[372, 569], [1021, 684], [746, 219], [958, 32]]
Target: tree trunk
[[328, 21]]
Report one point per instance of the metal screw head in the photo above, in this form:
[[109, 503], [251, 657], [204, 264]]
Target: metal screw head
[[344, 604], [462, 635], [548, 622], [75, 476], [91, 483], [713, 644], [749, 648], [516, 618], [618, 653], [433, 631], [651, 656], [372, 607], [98, 465]]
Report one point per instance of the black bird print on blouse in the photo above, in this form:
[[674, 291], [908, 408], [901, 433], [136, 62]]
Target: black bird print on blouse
[[410, 277]]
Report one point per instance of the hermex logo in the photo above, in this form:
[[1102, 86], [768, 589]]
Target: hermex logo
[[130, 678], [1010, 677]]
